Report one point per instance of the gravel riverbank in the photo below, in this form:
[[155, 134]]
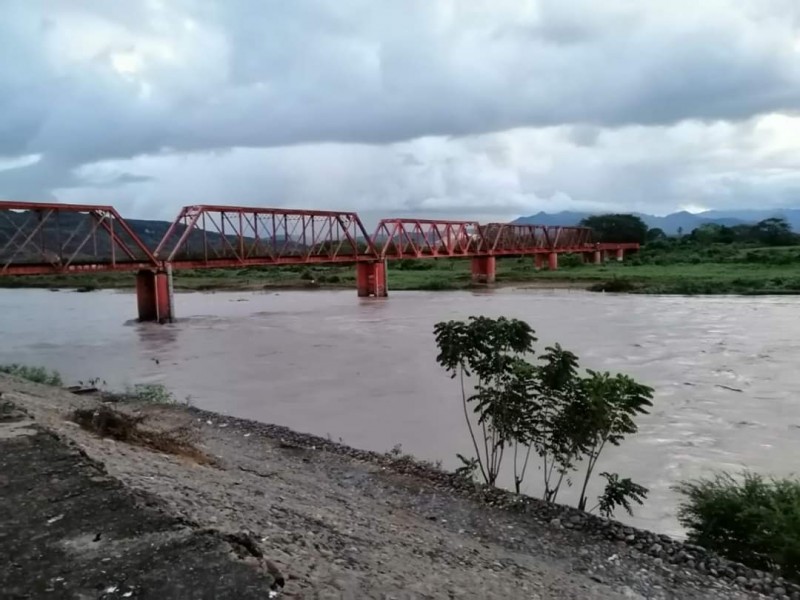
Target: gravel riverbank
[[336, 522]]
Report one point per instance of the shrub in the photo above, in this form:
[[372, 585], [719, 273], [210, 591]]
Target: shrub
[[34, 374], [152, 393], [752, 520], [307, 275], [570, 261]]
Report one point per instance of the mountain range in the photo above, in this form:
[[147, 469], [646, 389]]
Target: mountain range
[[670, 224]]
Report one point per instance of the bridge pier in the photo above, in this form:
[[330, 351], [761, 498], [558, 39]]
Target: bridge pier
[[620, 254], [552, 261], [484, 269], [154, 296], [598, 257], [371, 279], [538, 262]]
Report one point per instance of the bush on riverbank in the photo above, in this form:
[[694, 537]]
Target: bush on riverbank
[[34, 374], [752, 520]]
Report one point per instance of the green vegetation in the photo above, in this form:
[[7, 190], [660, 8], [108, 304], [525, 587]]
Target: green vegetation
[[751, 520], [35, 374], [151, 393], [549, 408]]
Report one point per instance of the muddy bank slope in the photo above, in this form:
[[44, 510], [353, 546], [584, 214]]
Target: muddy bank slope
[[330, 521], [69, 530]]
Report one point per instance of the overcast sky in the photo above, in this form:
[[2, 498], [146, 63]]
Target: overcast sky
[[472, 109]]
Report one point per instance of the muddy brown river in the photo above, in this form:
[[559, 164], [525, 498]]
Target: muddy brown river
[[725, 369]]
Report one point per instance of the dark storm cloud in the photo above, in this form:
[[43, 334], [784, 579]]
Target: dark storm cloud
[[88, 80]]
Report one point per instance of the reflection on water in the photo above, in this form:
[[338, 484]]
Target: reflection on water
[[325, 362]]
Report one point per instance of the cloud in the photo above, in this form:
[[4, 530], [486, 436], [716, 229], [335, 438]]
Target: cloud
[[444, 106], [486, 177]]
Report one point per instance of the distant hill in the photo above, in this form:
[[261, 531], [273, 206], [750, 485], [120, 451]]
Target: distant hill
[[671, 223]]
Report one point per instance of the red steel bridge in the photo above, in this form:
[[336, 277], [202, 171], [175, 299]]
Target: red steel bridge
[[47, 239]]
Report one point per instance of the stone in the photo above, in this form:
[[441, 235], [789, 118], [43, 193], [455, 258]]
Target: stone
[[656, 549], [779, 591]]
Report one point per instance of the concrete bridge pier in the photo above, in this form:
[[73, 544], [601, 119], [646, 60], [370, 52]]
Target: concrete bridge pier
[[371, 279], [154, 295], [538, 261], [484, 269], [552, 261], [620, 254]]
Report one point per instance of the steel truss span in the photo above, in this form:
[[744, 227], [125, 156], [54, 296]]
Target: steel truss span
[[38, 238], [232, 236]]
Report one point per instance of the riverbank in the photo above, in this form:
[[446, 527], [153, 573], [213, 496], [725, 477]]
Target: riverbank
[[333, 521], [705, 278]]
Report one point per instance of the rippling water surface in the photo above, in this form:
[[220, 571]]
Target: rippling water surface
[[725, 369]]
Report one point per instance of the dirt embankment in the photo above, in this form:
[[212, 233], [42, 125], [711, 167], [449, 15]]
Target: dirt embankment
[[254, 506]]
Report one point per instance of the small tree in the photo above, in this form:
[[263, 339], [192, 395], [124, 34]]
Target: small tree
[[604, 413], [492, 350], [566, 418], [555, 390]]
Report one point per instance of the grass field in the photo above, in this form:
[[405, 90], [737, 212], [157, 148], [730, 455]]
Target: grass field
[[748, 271]]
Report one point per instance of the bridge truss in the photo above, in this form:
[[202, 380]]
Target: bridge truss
[[39, 238]]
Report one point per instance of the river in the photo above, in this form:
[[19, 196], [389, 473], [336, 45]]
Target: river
[[363, 371]]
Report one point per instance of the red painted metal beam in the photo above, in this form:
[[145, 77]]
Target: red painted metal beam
[[427, 238], [206, 236], [511, 239], [52, 238]]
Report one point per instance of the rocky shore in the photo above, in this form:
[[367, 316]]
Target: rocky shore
[[297, 516]]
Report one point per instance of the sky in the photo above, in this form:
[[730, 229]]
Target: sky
[[463, 109]]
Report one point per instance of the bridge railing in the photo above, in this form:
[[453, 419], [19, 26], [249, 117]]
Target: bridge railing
[[224, 236], [41, 238]]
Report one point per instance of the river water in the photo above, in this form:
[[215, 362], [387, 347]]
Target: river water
[[725, 369]]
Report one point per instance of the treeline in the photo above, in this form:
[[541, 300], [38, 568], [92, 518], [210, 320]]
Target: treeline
[[769, 232], [630, 228]]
